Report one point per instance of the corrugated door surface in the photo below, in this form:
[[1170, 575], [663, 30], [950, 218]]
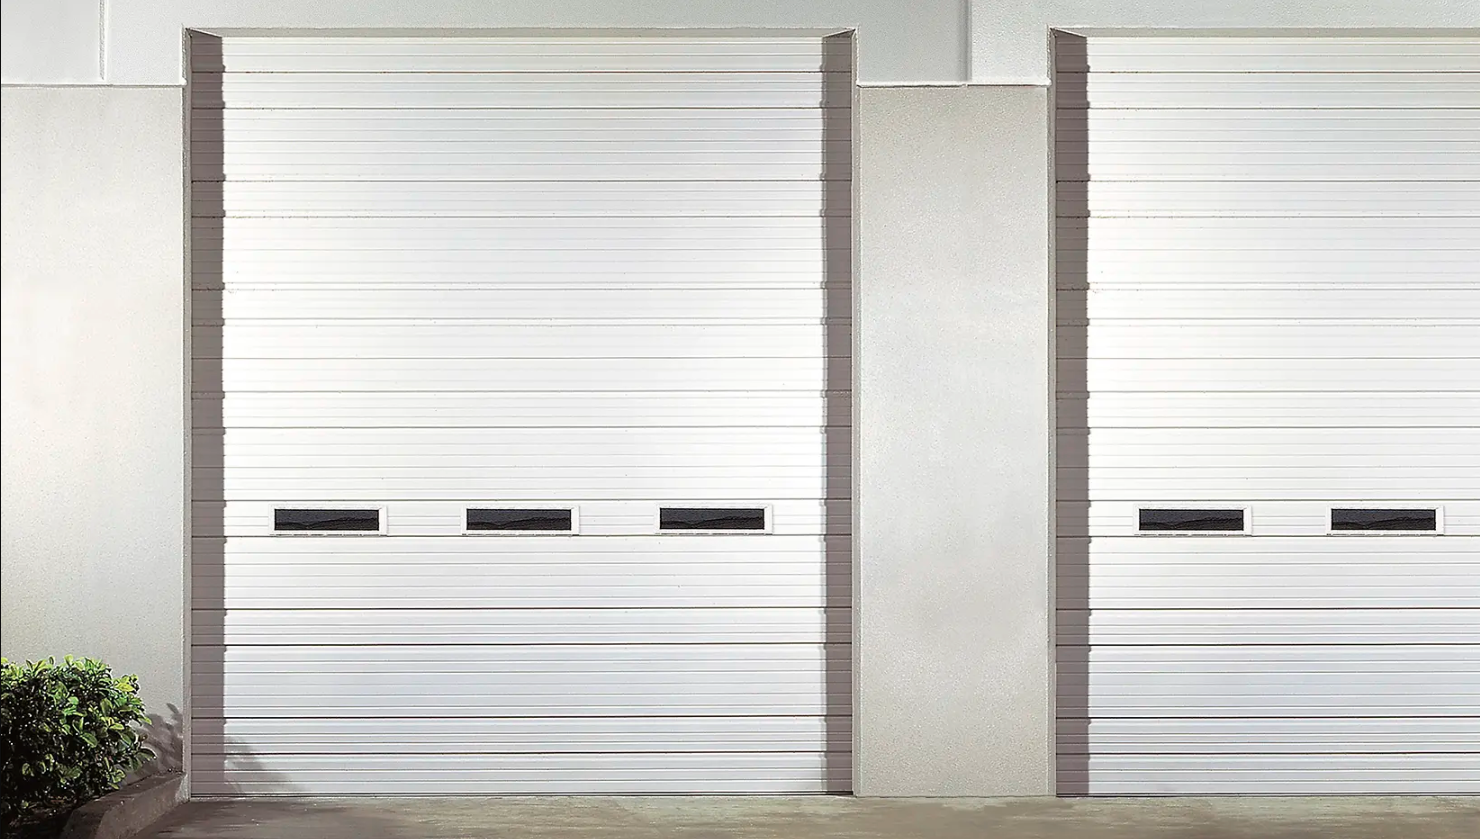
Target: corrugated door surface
[[599, 274], [1268, 262]]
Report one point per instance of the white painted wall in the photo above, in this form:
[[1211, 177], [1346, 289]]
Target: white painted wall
[[51, 41], [899, 41], [93, 383]]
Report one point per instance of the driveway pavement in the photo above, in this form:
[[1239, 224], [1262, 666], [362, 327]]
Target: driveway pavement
[[824, 818]]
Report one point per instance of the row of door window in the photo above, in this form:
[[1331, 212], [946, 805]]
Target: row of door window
[[518, 519], [1174, 520]]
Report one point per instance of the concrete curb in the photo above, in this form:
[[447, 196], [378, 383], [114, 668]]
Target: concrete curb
[[121, 814]]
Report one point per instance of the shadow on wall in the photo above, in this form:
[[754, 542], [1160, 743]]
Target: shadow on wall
[[166, 737], [1071, 280], [837, 231], [211, 749]]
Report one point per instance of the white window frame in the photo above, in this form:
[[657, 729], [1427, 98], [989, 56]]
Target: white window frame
[[767, 510], [1385, 505], [1248, 512], [382, 516], [575, 517]]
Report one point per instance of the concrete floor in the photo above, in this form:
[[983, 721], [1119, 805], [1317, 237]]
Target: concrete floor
[[825, 817]]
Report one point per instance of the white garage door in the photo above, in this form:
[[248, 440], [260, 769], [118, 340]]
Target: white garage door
[[521, 454], [1268, 257]]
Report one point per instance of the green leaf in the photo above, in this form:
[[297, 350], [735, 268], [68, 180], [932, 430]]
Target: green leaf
[[67, 735]]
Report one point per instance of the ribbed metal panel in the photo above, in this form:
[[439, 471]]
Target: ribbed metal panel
[[599, 273], [1268, 299]]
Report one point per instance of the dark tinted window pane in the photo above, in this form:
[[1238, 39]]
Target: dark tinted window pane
[[557, 519], [326, 521], [1355, 519], [1194, 521], [712, 518]]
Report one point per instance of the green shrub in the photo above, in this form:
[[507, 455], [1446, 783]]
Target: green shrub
[[68, 734]]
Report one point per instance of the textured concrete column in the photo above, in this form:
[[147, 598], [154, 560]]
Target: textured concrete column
[[953, 653]]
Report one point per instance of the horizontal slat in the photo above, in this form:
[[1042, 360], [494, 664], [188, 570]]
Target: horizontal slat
[[267, 784], [513, 774], [1270, 410], [1422, 270], [1110, 452], [1278, 681], [1350, 483], [518, 54], [491, 735], [1275, 552], [339, 163], [529, 90], [716, 549], [594, 233], [516, 483], [1157, 663], [676, 271], [239, 629], [560, 374], [1285, 199], [451, 302], [533, 340], [1440, 267], [1155, 627], [1293, 237], [1270, 775], [1101, 375], [578, 442], [639, 664], [768, 408], [528, 593], [208, 125], [460, 166], [436, 449], [1194, 440], [1238, 89], [695, 696], [1272, 572], [271, 266], [1153, 337], [367, 676], [431, 767], [1109, 303], [1249, 159], [1212, 737], [616, 199], [1311, 125], [1283, 54], [547, 160], [763, 570]]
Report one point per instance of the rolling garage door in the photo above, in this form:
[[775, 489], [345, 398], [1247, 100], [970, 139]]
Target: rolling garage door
[[1268, 261], [521, 452]]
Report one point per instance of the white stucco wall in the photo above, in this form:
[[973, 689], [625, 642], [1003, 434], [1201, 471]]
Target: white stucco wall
[[953, 647], [899, 41], [93, 383]]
